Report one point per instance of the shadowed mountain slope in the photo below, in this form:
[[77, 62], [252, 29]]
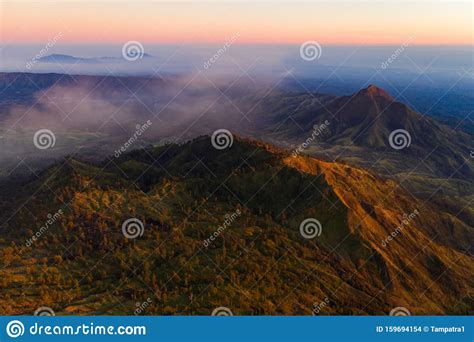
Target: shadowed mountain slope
[[252, 198]]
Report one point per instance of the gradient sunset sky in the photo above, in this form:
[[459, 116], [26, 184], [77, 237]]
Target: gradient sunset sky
[[271, 22]]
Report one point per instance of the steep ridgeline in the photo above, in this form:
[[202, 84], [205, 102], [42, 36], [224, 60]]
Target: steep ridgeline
[[223, 228], [361, 124]]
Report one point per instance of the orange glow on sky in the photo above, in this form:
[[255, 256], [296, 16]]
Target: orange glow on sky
[[335, 22]]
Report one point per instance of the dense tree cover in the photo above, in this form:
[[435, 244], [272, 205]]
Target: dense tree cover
[[259, 264]]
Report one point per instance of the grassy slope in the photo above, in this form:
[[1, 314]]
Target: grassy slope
[[259, 265]]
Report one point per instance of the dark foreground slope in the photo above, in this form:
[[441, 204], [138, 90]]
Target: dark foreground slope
[[252, 198]]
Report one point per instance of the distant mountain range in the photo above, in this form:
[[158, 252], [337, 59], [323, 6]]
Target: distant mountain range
[[365, 120], [359, 125], [66, 59], [18, 86]]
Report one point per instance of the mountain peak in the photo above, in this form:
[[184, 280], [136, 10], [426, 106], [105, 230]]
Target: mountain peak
[[373, 91]]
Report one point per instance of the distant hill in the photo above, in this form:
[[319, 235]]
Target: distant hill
[[379, 247], [359, 128], [65, 59], [20, 86], [360, 125], [367, 118]]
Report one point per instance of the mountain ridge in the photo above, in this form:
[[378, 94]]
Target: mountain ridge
[[177, 192], [373, 91], [63, 58]]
